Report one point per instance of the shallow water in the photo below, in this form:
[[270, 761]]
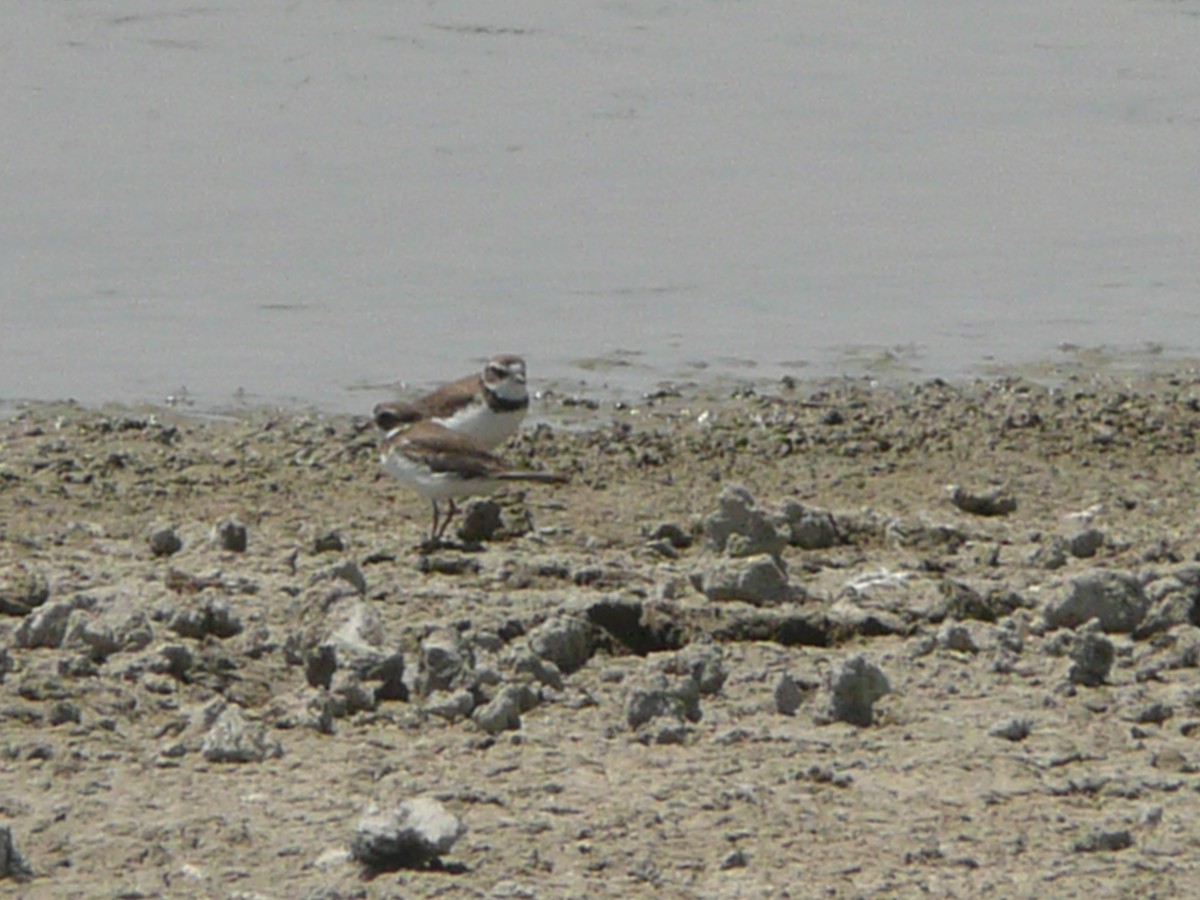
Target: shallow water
[[312, 202]]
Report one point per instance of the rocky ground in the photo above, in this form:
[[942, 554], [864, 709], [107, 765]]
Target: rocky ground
[[818, 641]]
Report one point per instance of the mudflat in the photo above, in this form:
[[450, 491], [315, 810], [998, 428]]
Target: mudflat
[[824, 640]]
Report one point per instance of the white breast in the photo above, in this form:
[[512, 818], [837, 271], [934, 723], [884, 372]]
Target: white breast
[[488, 428]]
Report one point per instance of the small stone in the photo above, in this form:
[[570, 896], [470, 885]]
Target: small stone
[[854, 687], [990, 503], [674, 536], [1116, 599], [212, 615], [232, 739], [1093, 656], [677, 698], [756, 579], [165, 541], [232, 536], [47, 625], [501, 713], [788, 695], [22, 590], [409, 836], [351, 573], [567, 641], [735, 859], [1014, 729], [444, 663], [481, 521], [329, 542], [12, 863], [809, 529], [957, 637], [704, 663], [740, 528], [448, 705], [1105, 841], [64, 712], [1086, 543]]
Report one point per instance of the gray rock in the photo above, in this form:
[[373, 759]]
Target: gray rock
[[210, 615], [854, 686], [757, 579], [12, 863], [330, 541], [1015, 729], [47, 626], [788, 695], [1116, 599], [450, 705], [22, 590], [1104, 841], [350, 695], [164, 541], [809, 529], [6, 663], [676, 698], [567, 641], [502, 712], [740, 528], [411, 835], [354, 651], [703, 663], [351, 573], [177, 660], [231, 535], [445, 663], [541, 670], [987, 503], [231, 739], [928, 536], [1172, 602], [1050, 555], [957, 637], [95, 638], [481, 521], [1086, 543], [1092, 656]]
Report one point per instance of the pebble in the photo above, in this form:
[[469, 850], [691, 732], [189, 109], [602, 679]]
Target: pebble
[[740, 528], [410, 835], [788, 695], [211, 615], [231, 739], [854, 686], [1104, 841], [12, 863], [232, 536], [756, 579], [566, 640], [677, 698], [22, 590], [1015, 729], [444, 662], [330, 541], [481, 521], [703, 663], [47, 626], [991, 503], [809, 529], [1116, 599], [165, 541], [1086, 543], [1092, 655], [501, 713]]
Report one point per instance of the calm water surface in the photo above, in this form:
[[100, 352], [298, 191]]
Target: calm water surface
[[311, 202]]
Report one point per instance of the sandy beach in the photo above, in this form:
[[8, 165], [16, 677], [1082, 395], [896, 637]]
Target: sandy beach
[[818, 640]]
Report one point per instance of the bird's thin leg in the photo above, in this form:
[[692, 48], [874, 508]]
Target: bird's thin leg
[[433, 531], [449, 515]]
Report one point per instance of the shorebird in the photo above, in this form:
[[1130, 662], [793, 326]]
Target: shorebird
[[444, 465], [487, 407]]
